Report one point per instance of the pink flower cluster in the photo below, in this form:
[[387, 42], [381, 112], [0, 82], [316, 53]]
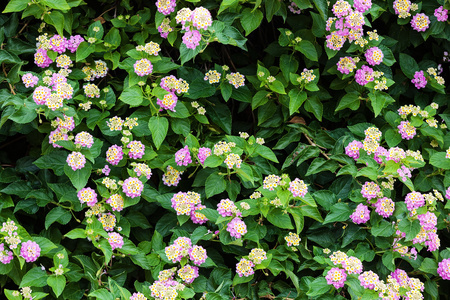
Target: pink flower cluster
[[182, 247], [76, 160], [6, 256], [420, 22], [370, 190], [298, 188], [166, 7], [352, 149], [84, 139], [368, 279], [385, 207], [227, 208], [88, 196], [336, 277], [58, 44], [374, 56], [444, 269], [203, 153], [237, 228], [245, 268], [30, 80], [441, 14], [114, 155], [346, 65], [404, 173], [406, 130], [183, 156], [364, 75], [132, 187], [30, 251], [115, 240], [419, 80], [143, 67], [361, 214], [414, 200], [137, 149]]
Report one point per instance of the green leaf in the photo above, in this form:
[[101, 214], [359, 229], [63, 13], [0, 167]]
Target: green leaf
[[132, 96], [57, 283], [35, 277], [318, 286], [340, 212], [383, 228], [350, 100], [215, 184], [408, 65], [260, 98], [239, 280], [159, 127], [320, 164], [297, 98], [429, 265], [251, 20], [57, 214], [312, 212], [80, 177], [102, 294], [56, 4], [308, 49], [15, 5], [266, 153], [438, 160], [315, 106], [379, 100], [280, 219], [226, 4], [77, 233], [410, 228], [56, 19], [84, 50], [277, 87]]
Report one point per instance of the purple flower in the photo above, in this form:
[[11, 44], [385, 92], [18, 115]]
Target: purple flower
[[419, 80], [29, 80], [385, 207], [143, 67], [374, 56], [368, 279], [441, 14], [191, 38], [201, 18], [115, 240], [88, 196], [336, 277], [226, 208], [364, 75], [428, 221], [30, 251], [237, 228], [361, 214], [166, 7], [168, 102], [444, 269], [114, 154], [183, 156], [433, 243], [420, 22], [198, 255], [73, 42], [245, 268], [414, 200], [346, 65], [40, 95], [6, 256], [188, 273], [132, 187], [362, 5], [58, 43], [41, 59], [84, 139], [370, 190], [352, 149], [76, 160], [203, 153], [137, 149]]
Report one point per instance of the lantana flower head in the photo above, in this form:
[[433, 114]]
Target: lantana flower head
[[6, 256], [198, 255], [361, 214], [201, 18], [236, 79], [76, 160], [143, 67], [137, 149], [188, 273], [132, 187], [29, 80], [73, 42], [441, 14], [172, 176], [257, 255], [191, 38], [196, 216], [30, 251], [374, 56], [226, 208], [444, 269], [352, 265], [183, 156], [298, 188], [116, 202], [88, 196], [41, 58], [346, 65], [245, 268], [336, 277], [271, 182], [40, 94], [384, 207], [168, 102], [420, 22], [352, 149], [164, 29], [166, 7], [237, 228], [233, 160], [362, 5], [341, 8], [368, 279], [58, 43], [419, 80], [115, 240], [414, 200], [364, 75], [292, 239], [203, 153], [114, 154], [370, 190], [84, 139], [406, 130], [108, 221]]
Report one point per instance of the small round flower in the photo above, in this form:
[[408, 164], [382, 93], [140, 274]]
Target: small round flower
[[370, 190], [63, 61], [420, 22], [396, 154], [142, 169], [116, 202], [40, 95], [196, 216], [203, 153], [57, 135], [132, 187], [364, 75], [6, 256], [114, 154], [271, 182], [336, 277], [441, 14], [236, 79], [173, 253], [137, 149], [164, 29], [88, 196], [341, 8], [245, 268], [84, 139], [64, 90], [402, 8], [30, 251], [352, 265], [183, 156], [237, 228], [166, 7], [54, 101], [352, 149], [115, 240], [257, 255], [192, 38], [293, 7], [73, 42], [76, 160], [29, 80], [168, 102], [444, 269], [298, 188], [108, 221], [58, 43], [419, 80], [226, 208], [362, 5], [201, 18], [292, 239], [374, 56], [212, 76], [172, 176], [414, 200], [188, 273], [41, 58], [384, 207], [138, 296], [91, 90], [233, 159], [198, 255], [143, 67], [428, 221], [361, 214], [368, 279], [406, 130], [335, 40], [346, 65]]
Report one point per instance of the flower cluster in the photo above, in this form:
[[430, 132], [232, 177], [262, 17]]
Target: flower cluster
[[166, 287], [132, 187], [298, 188], [292, 239], [114, 155], [88, 196], [30, 251], [76, 160], [172, 176], [419, 80], [182, 247], [183, 156], [237, 228], [203, 153], [271, 182], [361, 214], [245, 268]]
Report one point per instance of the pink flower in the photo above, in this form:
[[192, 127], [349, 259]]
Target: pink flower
[[188, 273], [226, 208], [6, 256], [341, 8], [29, 80], [384, 207], [362, 5], [84, 139], [414, 200], [115, 240], [58, 43], [166, 7], [420, 22], [191, 39], [336, 277], [433, 243], [41, 59], [168, 102], [298, 188], [143, 67], [406, 130], [374, 56], [203, 153], [346, 65], [419, 80], [370, 190], [245, 268], [196, 216], [444, 269], [198, 255], [137, 149], [201, 18], [364, 75], [132, 187], [73, 42], [428, 221], [368, 279], [441, 14], [352, 149], [183, 156], [30, 251], [237, 228], [88, 196], [361, 214], [114, 154], [40, 95], [76, 160]]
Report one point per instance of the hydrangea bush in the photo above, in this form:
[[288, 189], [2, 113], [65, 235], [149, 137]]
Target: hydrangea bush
[[224, 149]]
